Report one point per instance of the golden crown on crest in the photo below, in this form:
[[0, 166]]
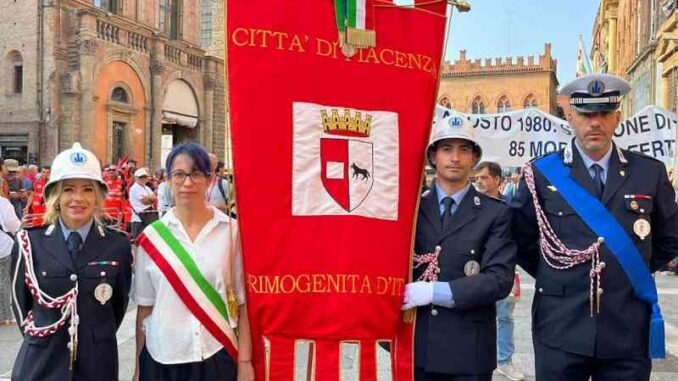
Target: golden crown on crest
[[350, 124]]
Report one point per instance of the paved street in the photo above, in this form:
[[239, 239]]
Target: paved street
[[523, 359]]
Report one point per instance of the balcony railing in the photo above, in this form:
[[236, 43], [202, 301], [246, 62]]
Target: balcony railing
[[116, 30]]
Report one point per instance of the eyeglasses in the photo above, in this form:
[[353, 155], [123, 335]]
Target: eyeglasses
[[196, 176]]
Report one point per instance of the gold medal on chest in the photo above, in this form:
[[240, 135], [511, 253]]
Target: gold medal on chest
[[103, 293]]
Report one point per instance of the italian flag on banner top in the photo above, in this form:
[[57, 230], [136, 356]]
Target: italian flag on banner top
[[355, 21]]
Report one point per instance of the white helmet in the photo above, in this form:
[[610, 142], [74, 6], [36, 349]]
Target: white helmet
[[454, 127], [75, 163]]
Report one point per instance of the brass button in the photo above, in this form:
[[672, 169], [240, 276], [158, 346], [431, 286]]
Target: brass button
[[434, 312], [44, 273], [103, 273], [560, 214], [541, 290]]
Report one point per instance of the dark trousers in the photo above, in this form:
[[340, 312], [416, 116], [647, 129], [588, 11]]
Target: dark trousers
[[218, 367], [553, 364], [421, 375]]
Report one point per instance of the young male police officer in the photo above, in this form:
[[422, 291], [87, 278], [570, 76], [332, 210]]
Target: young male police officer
[[592, 222], [465, 263]]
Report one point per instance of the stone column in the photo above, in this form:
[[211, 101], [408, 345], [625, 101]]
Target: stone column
[[209, 82], [85, 131], [612, 42], [154, 135]]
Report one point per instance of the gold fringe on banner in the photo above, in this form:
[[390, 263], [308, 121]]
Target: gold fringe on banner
[[361, 38]]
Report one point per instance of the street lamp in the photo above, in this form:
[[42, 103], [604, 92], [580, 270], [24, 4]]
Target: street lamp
[[461, 5]]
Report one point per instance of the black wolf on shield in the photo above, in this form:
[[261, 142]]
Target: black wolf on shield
[[357, 171]]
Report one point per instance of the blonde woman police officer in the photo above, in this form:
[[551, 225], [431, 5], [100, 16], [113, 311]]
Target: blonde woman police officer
[[71, 279]]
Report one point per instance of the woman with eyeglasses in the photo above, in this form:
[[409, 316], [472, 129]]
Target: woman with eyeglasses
[[191, 322]]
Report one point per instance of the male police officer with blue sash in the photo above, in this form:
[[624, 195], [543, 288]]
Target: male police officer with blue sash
[[592, 222], [464, 264]]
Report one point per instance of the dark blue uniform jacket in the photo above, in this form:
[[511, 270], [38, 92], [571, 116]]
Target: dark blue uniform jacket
[[462, 339], [561, 316], [47, 359]]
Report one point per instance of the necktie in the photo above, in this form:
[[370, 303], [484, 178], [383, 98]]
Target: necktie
[[73, 243], [598, 180], [447, 213]]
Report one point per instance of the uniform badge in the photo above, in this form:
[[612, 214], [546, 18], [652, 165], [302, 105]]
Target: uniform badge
[[642, 228], [634, 205], [476, 200], [471, 268], [78, 158], [103, 293]]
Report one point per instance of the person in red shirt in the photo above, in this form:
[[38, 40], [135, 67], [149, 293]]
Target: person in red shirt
[[115, 195], [36, 201]]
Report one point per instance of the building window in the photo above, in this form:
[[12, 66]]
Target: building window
[[478, 106], [530, 101], [119, 95], [112, 6], [119, 138], [170, 18], [503, 105], [206, 29], [16, 63]]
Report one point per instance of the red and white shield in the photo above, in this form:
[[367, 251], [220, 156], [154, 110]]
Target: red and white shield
[[347, 170]]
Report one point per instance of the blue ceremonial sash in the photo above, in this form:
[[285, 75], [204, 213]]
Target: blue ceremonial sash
[[599, 219]]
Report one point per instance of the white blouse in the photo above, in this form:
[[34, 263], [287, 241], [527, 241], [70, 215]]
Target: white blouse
[[173, 334]]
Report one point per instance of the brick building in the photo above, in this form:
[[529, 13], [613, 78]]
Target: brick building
[[124, 77], [483, 87], [636, 40]]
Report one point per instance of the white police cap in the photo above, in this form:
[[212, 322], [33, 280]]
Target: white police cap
[[454, 127], [596, 92]]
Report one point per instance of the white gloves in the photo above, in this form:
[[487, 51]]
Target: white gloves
[[417, 294]]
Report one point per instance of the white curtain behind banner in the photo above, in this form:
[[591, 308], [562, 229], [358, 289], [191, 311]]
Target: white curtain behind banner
[[513, 138]]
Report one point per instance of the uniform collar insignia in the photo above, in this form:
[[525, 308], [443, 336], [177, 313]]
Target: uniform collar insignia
[[567, 154], [622, 157], [476, 201], [101, 230], [49, 230]]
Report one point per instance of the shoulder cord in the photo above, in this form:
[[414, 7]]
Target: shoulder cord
[[556, 254], [66, 302]]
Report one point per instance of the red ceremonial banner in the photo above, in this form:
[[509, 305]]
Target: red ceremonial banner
[[328, 156]]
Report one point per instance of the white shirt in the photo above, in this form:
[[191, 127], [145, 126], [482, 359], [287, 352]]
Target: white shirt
[[136, 193], [214, 195], [604, 162], [165, 201], [10, 223], [173, 334]]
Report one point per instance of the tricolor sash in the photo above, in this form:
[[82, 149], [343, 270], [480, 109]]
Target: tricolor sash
[[197, 294], [602, 223]]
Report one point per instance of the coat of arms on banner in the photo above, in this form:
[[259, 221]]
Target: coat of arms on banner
[[345, 162]]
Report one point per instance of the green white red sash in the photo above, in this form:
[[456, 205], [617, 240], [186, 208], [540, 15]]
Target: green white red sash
[[193, 289], [355, 21]]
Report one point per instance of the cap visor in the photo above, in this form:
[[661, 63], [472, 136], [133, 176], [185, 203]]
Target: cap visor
[[593, 108]]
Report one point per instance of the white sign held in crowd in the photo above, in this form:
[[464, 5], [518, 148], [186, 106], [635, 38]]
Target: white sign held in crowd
[[513, 138]]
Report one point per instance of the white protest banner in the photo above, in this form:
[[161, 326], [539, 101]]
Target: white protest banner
[[651, 131], [513, 138]]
